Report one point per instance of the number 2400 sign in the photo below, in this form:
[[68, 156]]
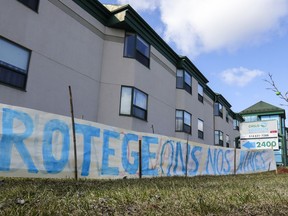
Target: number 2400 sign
[[266, 144]]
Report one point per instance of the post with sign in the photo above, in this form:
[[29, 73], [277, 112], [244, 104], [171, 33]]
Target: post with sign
[[259, 135]]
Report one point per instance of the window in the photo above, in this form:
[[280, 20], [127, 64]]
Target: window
[[32, 4], [251, 118], [184, 81], [218, 109], [133, 102], [218, 138], [136, 47], [14, 61], [227, 141], [200, 129], [183, 121], [235, 124], [200, 93], [227, 116]]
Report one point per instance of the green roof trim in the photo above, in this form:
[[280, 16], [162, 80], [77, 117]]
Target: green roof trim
[[222, 100], [263, 108], [126, 18], [133, 21], [185, 63], [209, 92], [95, 9]]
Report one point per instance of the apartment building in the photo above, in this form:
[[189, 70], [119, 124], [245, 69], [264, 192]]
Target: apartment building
[[122, 73]]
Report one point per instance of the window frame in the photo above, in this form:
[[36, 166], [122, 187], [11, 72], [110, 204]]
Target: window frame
[[217, 110], [136, 53], [220, 141], [27, 5], [227, 140], [236, 124], [185, 128], [12, 69], [181, 80], [200, 96], [200, 132], [227, 116], [134, 107]]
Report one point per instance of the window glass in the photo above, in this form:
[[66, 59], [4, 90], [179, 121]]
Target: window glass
[[217, 137], [200, 90], [14, 61], [187, 118], [140, 99], [133, 102], [179, 79], [13, 56], [200, 125], [136, 47], [179, 120], [142, 46], [126, 94], [129, 50], [221, 135], [251, 118], [227, 138], [188, 79]]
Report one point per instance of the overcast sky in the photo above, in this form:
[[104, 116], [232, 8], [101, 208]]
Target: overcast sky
[[234, 43]]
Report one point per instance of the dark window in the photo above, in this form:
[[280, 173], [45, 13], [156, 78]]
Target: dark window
[[136, 47], [227, 141], [200, 129], [227, 116], [133, 102], [235, 124], [14, 61], [184, 81], [218, 109], [32, 4], [218, 138], [200, 93], [183, 121]]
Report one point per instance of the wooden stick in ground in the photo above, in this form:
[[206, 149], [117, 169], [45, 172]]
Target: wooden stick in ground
[[73, 130], [140, 159]]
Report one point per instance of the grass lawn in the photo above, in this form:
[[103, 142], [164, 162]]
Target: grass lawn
[[255, 194]]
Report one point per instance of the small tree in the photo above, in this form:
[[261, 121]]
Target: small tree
[[275, 89]]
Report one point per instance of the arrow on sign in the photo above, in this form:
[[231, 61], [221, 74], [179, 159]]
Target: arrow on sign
[[249, 145]]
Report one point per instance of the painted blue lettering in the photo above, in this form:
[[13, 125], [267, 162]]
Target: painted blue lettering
[[51, 164], [195, 160], [106, 170], [11, 137], [168, 144], [219, 160], [212, 161], [130, 168], [179, 153], [241, 164], [227, 152], [147, 155], [88, 132]]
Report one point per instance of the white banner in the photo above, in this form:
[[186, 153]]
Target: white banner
[[39, 144]]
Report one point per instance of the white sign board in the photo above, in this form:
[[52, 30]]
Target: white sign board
[[259, 135], [259, 129], [260, 143]]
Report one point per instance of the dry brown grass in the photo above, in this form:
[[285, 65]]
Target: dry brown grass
[[257, 194]]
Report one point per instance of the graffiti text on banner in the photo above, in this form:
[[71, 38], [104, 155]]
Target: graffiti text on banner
[[38, 144]]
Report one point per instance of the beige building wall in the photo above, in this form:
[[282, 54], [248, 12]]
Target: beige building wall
[[70, 47], [64, 52]]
